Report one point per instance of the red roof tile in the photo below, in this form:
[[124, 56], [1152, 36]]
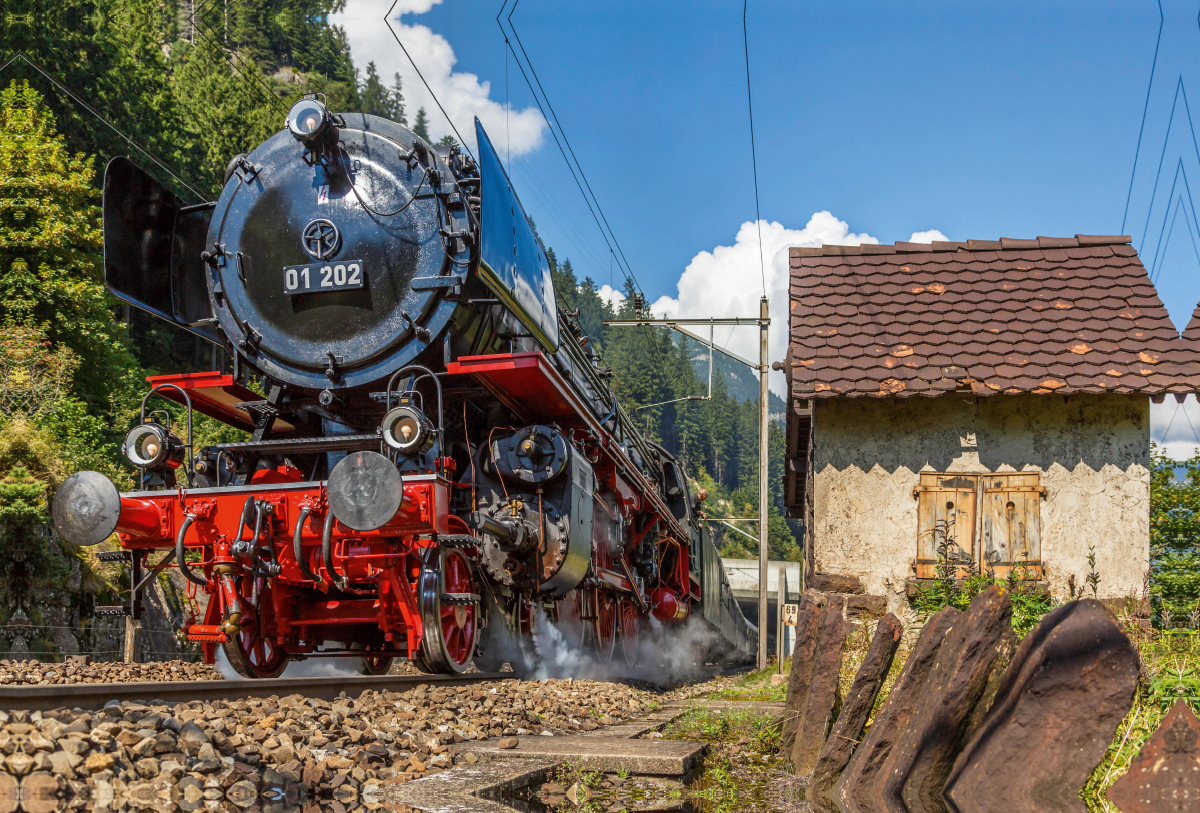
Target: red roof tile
[[1051, 315]]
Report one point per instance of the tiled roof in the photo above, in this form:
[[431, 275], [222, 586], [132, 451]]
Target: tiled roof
[[1051, 315]]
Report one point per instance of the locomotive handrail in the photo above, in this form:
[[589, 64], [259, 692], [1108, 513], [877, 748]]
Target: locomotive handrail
[[191, 463], [299, 551], [187, 572]]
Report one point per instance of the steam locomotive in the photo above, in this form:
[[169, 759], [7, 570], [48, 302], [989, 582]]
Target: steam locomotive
[[436, 461]]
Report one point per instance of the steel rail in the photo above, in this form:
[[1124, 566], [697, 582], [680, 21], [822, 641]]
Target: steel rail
[[93, 696]]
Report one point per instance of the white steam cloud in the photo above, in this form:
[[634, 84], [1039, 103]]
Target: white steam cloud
[[666, 654], [462, 94]]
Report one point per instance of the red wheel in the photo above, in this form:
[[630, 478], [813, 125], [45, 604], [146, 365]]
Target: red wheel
[[606, 625], [573, 612], [253, 653], [449, 609], [630, 623]]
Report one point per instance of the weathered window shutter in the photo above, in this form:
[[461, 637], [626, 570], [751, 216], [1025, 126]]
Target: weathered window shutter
[[944, 501], [1012, 525]]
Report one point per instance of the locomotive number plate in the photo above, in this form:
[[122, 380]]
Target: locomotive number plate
[[314, 277]]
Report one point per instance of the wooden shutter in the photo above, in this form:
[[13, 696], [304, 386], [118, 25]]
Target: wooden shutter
[[1012, 523], [949, 499]]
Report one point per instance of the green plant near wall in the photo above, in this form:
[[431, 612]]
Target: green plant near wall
[[959, 580], [1174, 542]]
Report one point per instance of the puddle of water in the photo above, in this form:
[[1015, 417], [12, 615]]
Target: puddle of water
[[608, 795]]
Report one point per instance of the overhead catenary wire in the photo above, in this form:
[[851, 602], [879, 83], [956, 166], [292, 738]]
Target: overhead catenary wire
[[762, 265], [252, 73], [1142, 129], [387, 19], [606, 230], [107, 123]]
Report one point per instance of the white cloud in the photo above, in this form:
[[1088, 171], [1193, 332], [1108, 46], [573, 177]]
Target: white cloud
[[611, 295], [462, 94], [928, 237], [728, 281]]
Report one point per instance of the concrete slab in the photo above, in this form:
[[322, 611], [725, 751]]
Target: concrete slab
[[468, 788], [477, 788], [773, 707], [658, 757]]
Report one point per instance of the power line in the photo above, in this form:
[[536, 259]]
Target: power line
[[626, 269], [388, 21], [762, 266], [1141, 130], [107, 123], [252, 72]]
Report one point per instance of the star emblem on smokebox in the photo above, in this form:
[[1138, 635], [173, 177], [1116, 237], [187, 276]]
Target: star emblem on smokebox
[[322, 239]]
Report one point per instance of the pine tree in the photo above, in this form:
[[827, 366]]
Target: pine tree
[[447, 141], [421, 124], [396, 102], [228, 112], [373, 96], [249, 30]]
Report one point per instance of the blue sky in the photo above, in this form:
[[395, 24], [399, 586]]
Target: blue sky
[[1012, 119]]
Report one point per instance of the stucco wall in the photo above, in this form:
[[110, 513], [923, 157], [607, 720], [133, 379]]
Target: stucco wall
[[1093, 452]]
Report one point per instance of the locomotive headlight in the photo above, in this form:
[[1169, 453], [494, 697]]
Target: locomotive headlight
[[308, 120], [407, 430], [152, 446]]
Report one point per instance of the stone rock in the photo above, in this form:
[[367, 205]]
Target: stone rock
[[823, 688], [147, 768], [145, 747], [79, 726], [191, 737], [860, 785], [800, 676], [507, 742], [60, 762], [865, 606], [10, 793], [917, 768], [833, 583], [847, 731], [99, 762], [1071, 682], [1166, 771]]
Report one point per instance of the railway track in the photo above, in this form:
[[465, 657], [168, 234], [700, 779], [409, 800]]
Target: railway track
[[92, 696]]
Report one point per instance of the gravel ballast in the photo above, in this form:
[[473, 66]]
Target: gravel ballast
[[36, 673], [274, 754]]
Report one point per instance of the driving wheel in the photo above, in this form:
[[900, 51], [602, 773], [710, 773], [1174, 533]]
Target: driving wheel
[[449, 605], [252, 652]]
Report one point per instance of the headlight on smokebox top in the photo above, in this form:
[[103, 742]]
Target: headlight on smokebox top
[[406, 429], [308, 120], [153, 446]]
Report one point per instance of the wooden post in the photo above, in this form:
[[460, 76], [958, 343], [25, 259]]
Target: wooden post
[[763, 457], [780, 600], [133, 639]]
